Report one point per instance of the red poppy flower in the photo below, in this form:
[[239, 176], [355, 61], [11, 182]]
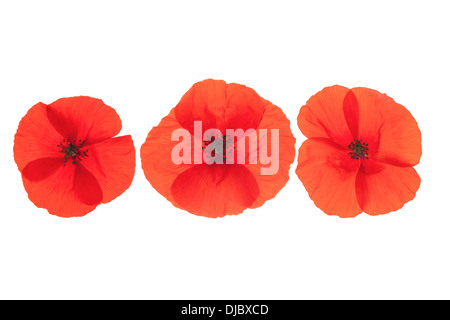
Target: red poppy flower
[[68, 159], [360, 153], [223, 187]]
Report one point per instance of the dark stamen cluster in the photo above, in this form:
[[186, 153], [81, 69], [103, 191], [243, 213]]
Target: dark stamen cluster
[[72, 150], [227, 147], [359, 149]]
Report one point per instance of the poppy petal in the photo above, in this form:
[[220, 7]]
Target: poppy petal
[[156, 161], [112, 162], [60, 194], [270, 185], [35, 138], [84, 118], [367, 114], [392, 132], [204, 101], [387, 190], [245, 108], [323, 116], [215, 190], [40, 169], [86, 186], [400, 138], [220, 105], [329, 177], [351, 113]]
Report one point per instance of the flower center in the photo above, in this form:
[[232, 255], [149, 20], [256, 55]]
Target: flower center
[[71, 150], [227, 146], [359, 149]]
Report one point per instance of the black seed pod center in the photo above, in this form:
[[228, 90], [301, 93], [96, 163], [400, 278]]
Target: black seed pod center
[[71, 150], [358, 149]]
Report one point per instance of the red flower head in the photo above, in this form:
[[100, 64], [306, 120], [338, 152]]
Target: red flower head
[[214, 171], [68, 159], [360, 153]]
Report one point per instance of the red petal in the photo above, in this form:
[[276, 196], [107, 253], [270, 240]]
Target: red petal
[[351, 113], [388, 190], [40, 169], [329, 177], [219, 105], [371, 166], [390, 129], [84, 118], [323, 116], [36, 138], [369, 116], [156, 159], [270, 185], [112, 162], [400, 138], [245, 108], [204, 101], [86, 187], [215, 190], [57, 194]]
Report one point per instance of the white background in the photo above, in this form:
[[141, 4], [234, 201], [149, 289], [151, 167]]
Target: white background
[[140, 57]]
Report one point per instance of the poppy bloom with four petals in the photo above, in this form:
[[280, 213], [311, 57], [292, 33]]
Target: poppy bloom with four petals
[[215, 190], [360, 152], [69, 160]]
